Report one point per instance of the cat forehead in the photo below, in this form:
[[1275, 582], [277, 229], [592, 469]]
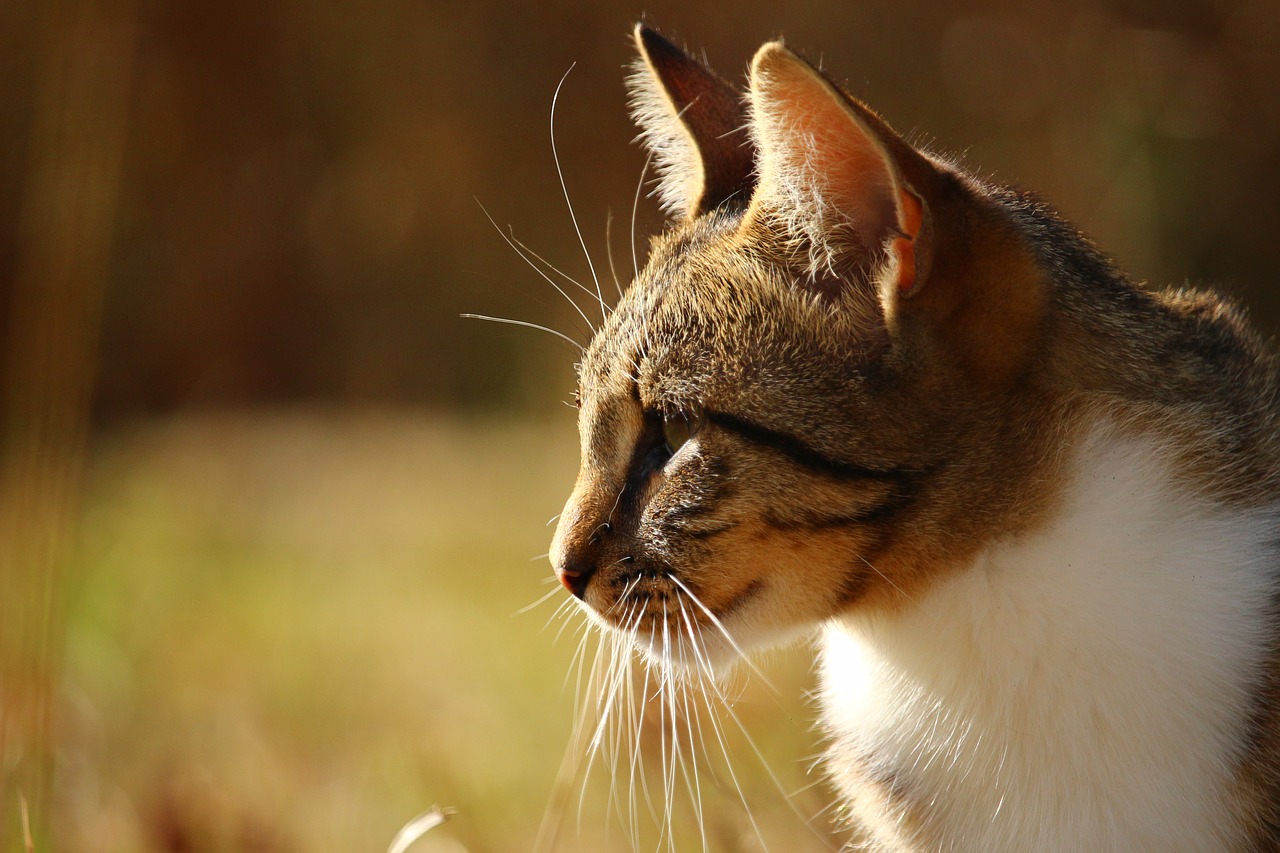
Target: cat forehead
[[694, 293], [707, 313]]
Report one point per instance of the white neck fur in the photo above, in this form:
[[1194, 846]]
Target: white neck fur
[[1084, 687]]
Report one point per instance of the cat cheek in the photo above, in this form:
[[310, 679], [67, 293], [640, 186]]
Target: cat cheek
[[808, 575]]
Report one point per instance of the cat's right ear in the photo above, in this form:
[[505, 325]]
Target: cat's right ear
[[695, 126]]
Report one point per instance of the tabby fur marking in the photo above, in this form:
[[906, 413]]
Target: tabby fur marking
[[1028, 506]]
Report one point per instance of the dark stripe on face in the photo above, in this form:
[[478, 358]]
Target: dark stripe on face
[[895, 502], [802, 454], [709, 532]]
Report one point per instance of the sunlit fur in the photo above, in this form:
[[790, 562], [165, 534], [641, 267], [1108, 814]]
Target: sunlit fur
[[1080, 687], [674, 696], [675, 156], [1029, 506]]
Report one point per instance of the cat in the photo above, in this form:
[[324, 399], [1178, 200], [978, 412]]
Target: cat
[[1029, 508]]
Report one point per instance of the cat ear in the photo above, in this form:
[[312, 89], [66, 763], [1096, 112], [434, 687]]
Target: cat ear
[[831, 172], [694, 123]]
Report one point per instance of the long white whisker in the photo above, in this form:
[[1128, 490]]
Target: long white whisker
[[515, 248], [636, 763], [541, 600], [570, 279], [565, 189], [668, 765], [584, 692], [577, 665], [611, 685], [662, 743], [724, 750], [608, 251], [602, 676], [887, 579], [612, 680], [584, 627], [704, 674], [561, 335], [635, 206], [628, 740], [618, 723], [777, 783], [570, 764], [728, 637], [695, 789]]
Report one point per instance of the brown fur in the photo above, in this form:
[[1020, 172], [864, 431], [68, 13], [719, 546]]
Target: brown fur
[[864, 439]]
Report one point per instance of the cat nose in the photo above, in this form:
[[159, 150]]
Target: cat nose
[[575, 574], [575, 549]]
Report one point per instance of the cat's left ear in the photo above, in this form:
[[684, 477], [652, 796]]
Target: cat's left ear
[[832, 172], [695, 126]]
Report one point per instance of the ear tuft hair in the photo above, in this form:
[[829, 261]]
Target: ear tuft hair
[[674, 156], [824, 173], [694, 125]]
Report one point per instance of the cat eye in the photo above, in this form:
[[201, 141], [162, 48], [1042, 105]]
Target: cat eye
[[679, 427]]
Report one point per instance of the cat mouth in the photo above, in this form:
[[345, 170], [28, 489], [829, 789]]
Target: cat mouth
[[650, 599], [666, 621]]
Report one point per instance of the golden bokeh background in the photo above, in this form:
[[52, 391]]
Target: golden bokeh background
[[268, 503]]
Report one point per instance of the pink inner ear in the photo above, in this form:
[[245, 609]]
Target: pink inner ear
[[818, 142], [857, 183], [904, 245]]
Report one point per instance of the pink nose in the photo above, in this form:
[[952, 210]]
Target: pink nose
[[575, 575]]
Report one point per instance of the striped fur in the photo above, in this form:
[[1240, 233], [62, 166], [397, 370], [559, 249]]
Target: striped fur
[[1030, 505]]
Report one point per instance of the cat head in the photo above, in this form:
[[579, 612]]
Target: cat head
[[810, 401]]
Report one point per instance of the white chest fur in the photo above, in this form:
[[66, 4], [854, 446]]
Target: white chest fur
[[1084, 687]]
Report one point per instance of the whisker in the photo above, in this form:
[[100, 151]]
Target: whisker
[[703, 673], [635, 206], [562, 274], [887, 579], [728, 708], [626, 590], [728, 637], [565, 610], [549, 828], [637, 766], [564, 188], [708, 678], [578, 660], [606, 651], [764, 763], [668, 766], [581, 692], [610, 685], [724, 750], [616, 726], [515, 248], [541, 600], [695, 790], [615, 667], [608, 251], [561, 335]]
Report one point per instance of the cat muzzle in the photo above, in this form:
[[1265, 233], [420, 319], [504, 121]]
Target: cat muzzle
[[575, 575]]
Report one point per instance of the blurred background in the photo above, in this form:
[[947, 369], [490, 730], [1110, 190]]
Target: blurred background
[[269, 508]]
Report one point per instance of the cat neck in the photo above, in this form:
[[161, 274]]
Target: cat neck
[[1074, 688]]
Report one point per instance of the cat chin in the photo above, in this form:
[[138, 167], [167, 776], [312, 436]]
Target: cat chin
[[714, 657], [717, 655]]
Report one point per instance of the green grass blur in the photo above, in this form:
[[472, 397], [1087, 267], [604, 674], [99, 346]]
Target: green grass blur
[[297, 630]]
